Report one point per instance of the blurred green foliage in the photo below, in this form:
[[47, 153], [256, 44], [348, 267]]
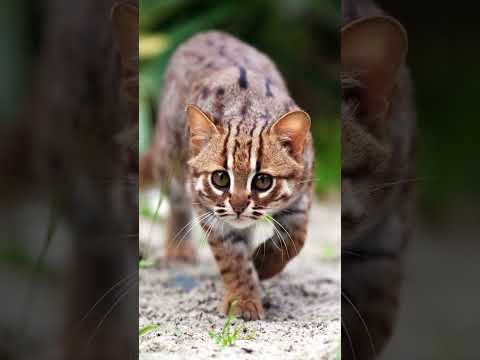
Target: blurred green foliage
[[15, 55], [301, 37]]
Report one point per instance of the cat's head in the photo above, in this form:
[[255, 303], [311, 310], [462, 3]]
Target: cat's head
[[373, 58], [241, 176]]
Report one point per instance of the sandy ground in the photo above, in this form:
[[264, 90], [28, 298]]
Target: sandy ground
[[302, 303]]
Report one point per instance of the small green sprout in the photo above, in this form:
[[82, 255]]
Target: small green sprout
[[146, 212], [147, 329], [329, 252], [338, 355], [145, 264], [227, 338]]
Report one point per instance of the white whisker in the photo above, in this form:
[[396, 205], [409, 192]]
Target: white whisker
[[363, 322], [293, 242], [279, 235], [190, 225], [393, 183], [349, 338]]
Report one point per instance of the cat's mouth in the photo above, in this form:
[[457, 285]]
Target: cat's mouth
[[239, 222]]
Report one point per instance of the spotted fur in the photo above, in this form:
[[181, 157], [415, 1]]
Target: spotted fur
[[240, 119]]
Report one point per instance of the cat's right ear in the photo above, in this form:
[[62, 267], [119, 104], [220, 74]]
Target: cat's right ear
[[372, 52], [201, 128]]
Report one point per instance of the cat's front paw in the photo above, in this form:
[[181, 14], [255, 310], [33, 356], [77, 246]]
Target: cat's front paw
[[247, 309]]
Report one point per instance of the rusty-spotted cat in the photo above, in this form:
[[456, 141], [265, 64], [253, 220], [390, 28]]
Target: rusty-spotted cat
[[231, 143]]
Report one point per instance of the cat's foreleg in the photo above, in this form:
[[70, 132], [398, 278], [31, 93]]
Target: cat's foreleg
[[290, 231], [232, 253]]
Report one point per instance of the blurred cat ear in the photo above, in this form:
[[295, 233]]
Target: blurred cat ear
[[292, 129], [125, 31], [125, 27], [201, 128], [372, 52]]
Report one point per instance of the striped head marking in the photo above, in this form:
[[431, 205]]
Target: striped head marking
[[242, 171]]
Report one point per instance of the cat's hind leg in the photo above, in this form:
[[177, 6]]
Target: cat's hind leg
[[179, 227]]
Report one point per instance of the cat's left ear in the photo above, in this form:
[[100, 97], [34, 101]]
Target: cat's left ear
[[292, 129], [125, 30], [125, 27], [201, 128]]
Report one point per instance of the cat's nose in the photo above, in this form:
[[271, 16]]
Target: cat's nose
[[239, 208], [238, 205]]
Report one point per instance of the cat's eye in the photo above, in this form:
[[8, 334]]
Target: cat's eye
[[220, 179], [262, 182]]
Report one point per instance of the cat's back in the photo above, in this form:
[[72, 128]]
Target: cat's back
[[209, 52], [226, 78], [211, 55]]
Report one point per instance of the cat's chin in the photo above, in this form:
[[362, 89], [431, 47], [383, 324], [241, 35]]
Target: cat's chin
[[240, 223]]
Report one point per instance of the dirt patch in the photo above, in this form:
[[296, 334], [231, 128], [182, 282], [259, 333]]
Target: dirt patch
[[302, 304]]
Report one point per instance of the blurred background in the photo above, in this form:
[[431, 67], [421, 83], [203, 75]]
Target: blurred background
[[440, 316], [19, 35], [300, 36], [62, 247]]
